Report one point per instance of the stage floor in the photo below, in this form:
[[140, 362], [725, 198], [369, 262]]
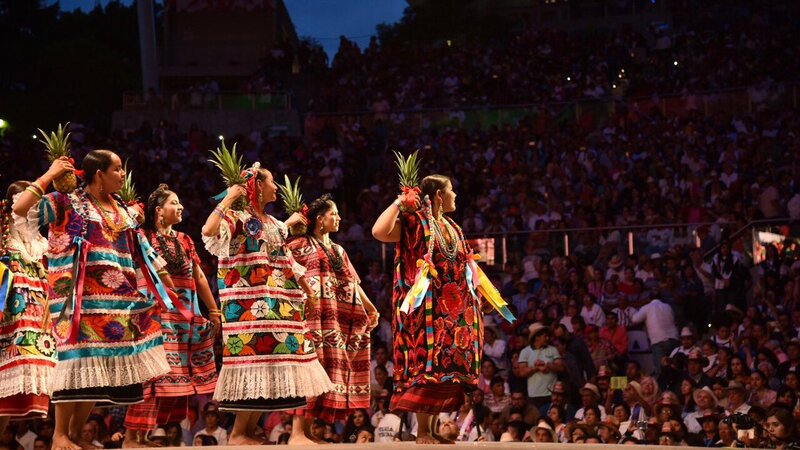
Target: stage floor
[[471, 445]]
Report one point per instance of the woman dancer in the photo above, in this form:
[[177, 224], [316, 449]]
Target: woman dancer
[[340, 326], [438, 343], [268, 364], [188, 343], [27, 348], [108, 337]]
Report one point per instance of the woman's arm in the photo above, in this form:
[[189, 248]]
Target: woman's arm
[[211, 227], [28, 198], [204, 292], [387, 227], [372, 312]]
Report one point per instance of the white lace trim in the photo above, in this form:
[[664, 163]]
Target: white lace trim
[[25, 379], [307, 379], [27, 228], [220, 244], [98, 371]]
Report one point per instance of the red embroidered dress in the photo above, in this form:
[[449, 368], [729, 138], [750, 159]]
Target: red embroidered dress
[[438, 345], [339, 328], [189, 346]]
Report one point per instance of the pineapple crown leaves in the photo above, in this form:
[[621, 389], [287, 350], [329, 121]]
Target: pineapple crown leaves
[[229, 164], [128, 191], [290, 195], [57, 142], [409, 169]]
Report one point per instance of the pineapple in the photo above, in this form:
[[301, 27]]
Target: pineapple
[[230, 166], [409, 169], [409, 178], [57, 145], [128, 191], [292, 202]]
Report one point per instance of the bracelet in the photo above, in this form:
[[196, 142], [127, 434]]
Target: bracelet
[[41, 186], [215, 313], [33, 191], [219, 212], [162, 272]]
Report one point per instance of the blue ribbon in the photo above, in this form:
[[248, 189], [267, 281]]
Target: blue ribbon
[[69, 304], [220, 196], [154, 273], [5, 285], [468, 274]]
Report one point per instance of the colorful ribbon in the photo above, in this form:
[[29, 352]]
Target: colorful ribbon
[[168, 299], [5, 284], [71, 310], [490, 293]]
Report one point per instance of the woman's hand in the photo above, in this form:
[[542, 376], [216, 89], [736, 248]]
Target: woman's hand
[[374, 319], [59, 167], [296, 218], [234, 192]]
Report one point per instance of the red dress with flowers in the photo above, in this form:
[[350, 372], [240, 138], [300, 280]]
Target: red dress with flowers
[[437, 346]]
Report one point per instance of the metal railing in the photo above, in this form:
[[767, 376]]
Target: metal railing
[[206, 101]]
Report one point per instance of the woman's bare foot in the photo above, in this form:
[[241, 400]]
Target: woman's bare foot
[[300, 439], [243, 440], [426, 439], [63, 442]]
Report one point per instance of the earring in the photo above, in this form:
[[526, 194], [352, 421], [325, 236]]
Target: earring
[[161, 220], [102, 190], [259, 196], [322, 228]]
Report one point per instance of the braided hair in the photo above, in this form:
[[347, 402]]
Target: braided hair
[[156, 199], [5, 212], [318, 208]]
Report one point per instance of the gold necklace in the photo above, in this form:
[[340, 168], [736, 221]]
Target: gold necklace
[[114, 226]]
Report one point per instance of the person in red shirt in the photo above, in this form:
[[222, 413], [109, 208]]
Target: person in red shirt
[[615, 334]]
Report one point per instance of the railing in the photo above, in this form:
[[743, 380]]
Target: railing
[[721, 101], [497, 249], [207, 101]]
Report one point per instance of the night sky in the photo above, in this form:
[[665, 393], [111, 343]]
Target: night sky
[[324, 20]]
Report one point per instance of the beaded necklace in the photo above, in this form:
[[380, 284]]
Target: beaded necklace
[[5, 227], [448, 249], [334, 258], [115, 225], [175, 260]]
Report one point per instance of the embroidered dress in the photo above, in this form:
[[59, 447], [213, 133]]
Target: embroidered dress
[[438, 345], [189, 345], [268, 361], [116, 342], [27, 348], [339, 328]]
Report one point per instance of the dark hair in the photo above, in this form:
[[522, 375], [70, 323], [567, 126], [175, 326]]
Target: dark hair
[[96, 160], [318, 207], [497, 380], [518, 427], [433, 183], [155, 200], [786, 418], [206, 440], [5, 212]]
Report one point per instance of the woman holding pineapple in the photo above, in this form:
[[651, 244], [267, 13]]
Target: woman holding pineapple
[[188, 343], [340, 326], [438, 318], [268, 363], [108, 335], [27, 348]]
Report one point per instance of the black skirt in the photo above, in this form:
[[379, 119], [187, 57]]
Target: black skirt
[[103, 396], [263, 404]]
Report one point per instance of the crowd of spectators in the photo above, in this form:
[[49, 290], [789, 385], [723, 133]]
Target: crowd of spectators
[[666, 344]]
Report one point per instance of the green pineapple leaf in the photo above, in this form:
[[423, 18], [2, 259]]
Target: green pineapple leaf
[[128, 191], [56, 143], [409, 169], [290, 195], [229, 164]]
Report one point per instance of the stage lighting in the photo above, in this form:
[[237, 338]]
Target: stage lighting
[[3, 124], [221, 137]]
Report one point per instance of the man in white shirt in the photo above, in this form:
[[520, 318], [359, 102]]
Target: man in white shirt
[[736, 399], [687, 343], [381, 358], [659, 321], [212, 428], [493, 347], [25, 436], [704, 400]]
